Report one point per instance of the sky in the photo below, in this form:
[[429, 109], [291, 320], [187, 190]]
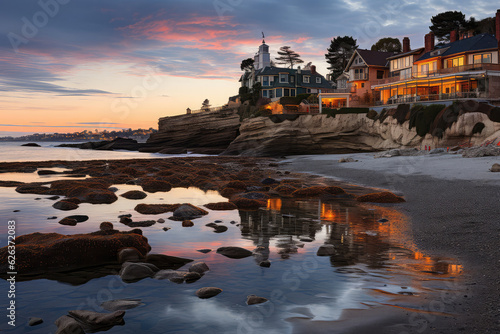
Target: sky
[[74, 65]]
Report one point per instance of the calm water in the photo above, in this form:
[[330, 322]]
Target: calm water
[[374, 263]]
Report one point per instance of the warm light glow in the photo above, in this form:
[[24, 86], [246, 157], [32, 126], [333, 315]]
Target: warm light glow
[[274, 204]]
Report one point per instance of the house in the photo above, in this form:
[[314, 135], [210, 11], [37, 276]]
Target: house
[[466, 67], [277, 82]]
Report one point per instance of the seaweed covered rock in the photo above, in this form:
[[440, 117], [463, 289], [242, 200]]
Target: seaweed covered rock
[[381, 197], [316, 191], [153, 185], [248, 204], [134, 194], [155, 209], [188, 212], [220, 206]]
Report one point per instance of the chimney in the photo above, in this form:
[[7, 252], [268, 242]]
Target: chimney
[[313, 69], [429, 42], [453, 36], [406, 44], [299, 70], [497, 27]]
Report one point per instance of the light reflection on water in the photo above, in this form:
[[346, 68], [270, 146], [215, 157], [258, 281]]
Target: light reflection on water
[[372, 262]]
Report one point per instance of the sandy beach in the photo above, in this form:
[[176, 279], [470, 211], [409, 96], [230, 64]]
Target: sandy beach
[[452, 204]]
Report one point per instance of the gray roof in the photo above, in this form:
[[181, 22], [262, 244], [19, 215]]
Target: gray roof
[[275, 71]]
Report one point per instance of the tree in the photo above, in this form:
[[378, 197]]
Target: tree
[[485, 26], [205, 105], [340, 51], [387, 44], [288, 56], [247, 64], [444, 23]]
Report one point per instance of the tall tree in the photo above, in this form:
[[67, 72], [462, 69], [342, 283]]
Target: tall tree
[[247, 64], [205, 105], [485, 26], [339, 53], [387, 44], [288, 56], [444, 23]]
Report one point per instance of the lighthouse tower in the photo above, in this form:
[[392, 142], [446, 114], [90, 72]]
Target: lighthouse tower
[[263, 57]]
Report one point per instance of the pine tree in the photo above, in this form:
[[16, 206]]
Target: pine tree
[[444, 23], [340, 51], [387, 44], [288, 56]]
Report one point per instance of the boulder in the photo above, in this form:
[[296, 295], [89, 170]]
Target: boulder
[[33, 321], [153, 186], [220, 229], [11, 184], [65, 205], [68, 325], [188, 212], [234, 252], [134, 194], [79, 218], [495, 168], [204, 251], [121, 304], [221, 206], [68, 221], [208, 292], [132, 272], [31, 145], [32, 188], [248, 204], [199, 267], [253, 299], [106, 226], [269, 181], [381, 197], [47, 252], [47, 172], [129, 255], [167, 262], [94, 321], [178, 276], [187, 223], [265, 264], [482, 151], [326, 250], [317, 191], [155, 209]]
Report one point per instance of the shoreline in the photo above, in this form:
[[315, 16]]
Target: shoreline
[[450, 204]]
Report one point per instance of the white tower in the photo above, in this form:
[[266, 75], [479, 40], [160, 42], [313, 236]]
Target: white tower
[[263, 57]]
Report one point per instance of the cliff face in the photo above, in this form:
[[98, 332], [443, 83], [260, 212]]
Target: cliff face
[[319, 134], [205, 132]]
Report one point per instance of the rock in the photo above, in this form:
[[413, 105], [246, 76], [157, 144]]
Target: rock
[[221, 206], [188, 212], [53, 217], [248, 204], [121, 304], [153, 186], [265, 264], [94, 321], [326, 250], [11, 183], [495, 168], [208, 292], [79, 218], [199, 267], [155, 209], [381, 197], [438, 151], [255, 195], [129, 255], [145, 223], [232, 222], [253, 299], [68, 325], [132, 272], [48, 252], [234, 252], [128, 215], [31, 145], [68, 221], [47, 172], [342, 160], [160, 221], [482, 151], [35, 321], [106, 226], [178, 276], [166, 229], [382, 220], [167, 262], [187, 223], [306, 239], [125, 220], [113, 189], [204, 251], [269, 181], [32, 188], [134, 194], [53, 198], [220, 229], [65, 205], [317, 191]]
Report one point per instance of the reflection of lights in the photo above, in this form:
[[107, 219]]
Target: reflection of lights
[[421, 256], [274, 204], [455, 269], [327, 213]]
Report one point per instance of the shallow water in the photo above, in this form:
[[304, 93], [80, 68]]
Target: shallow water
[[375, 262]]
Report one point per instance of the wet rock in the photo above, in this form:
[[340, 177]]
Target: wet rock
[[68, 221], [316, 191], [65, 205], [342, 160], [234, 252], [253, 299], [53, 217], [145, 223], [132, 272], [106, 226], [47, 172], [221, 206], [269, 181], [220, 229], [166, 229], [265, 264], [167, 262], [306, 239], [129, 255], [68, 325], [204, 251], [232, 222], [381, 197], [199, 267], [134, 194], [188, 212], [121, 304], [248, 204], [53, 198], [125, 220], [495, 168], [326, 250], [94, 321], [31, 145], [155, 209], [10, 183], [208, 292], [113, 189], [187, 223], [213, 225], [79, 218], [153, 186], [32, 188], [482, 151], [128, 215], [48, 252], [382, 220], [35, 321], [255, 195], [160, 221]]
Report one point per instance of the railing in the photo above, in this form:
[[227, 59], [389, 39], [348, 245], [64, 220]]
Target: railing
[[360, 76], [444, 71], [430, 97]]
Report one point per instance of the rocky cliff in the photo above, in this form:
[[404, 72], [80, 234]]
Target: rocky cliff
[[205, 132], [321, 134]]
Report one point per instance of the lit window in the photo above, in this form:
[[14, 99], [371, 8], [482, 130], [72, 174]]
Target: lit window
[[318, 80], [483, 58], [306, 79]]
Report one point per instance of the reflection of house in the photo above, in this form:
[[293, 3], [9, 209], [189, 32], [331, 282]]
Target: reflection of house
[[278, 82], [467, 67]]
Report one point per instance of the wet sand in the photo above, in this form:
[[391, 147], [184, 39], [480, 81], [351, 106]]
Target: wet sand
[[452, 203]]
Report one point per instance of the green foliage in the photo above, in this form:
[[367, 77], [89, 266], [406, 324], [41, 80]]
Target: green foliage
[[288, 56], [422, 117], [372, 114], [387, 44], [444, 23], [247, 64], [339, 53], [245, 94], [484, 26]]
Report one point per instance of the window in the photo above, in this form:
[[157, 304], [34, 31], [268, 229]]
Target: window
[[292, 91], [484, 58], [265, 80], [287, 92], [380, 75], [265, 93], [271, 93], [318, 80], [306, 79], [292, 79], [362, 85], [424, 69], [279, 92], [283, 77], [455, 62]]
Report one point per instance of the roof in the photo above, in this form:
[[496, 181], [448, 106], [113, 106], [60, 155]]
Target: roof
[[374, 58], [475, 43], [404, 54], [271, 70]]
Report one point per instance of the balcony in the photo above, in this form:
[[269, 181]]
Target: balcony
[[441, 72], [359, 76]]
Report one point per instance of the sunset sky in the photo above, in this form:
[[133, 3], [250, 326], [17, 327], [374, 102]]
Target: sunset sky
[[71, 65]]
